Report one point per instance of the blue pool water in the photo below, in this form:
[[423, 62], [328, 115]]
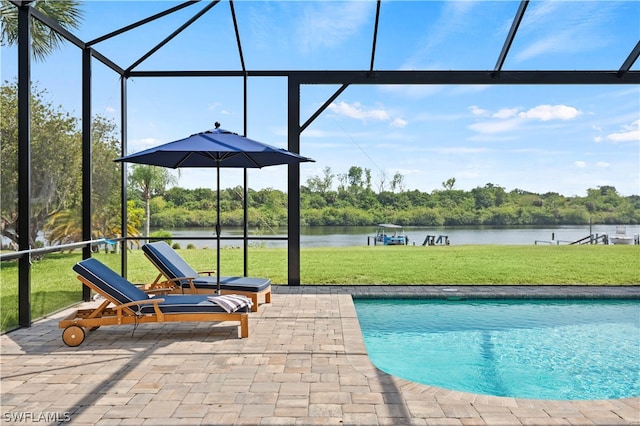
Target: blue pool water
[[540, 349]]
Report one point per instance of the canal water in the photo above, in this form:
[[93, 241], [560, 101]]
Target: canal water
[[341, 236]]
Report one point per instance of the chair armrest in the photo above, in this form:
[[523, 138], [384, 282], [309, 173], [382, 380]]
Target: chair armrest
[[139, 302], [154, 302], [177, 280], [159, 290], [207, 272]]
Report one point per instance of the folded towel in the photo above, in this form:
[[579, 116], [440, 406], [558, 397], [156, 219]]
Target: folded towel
[[231, 302]]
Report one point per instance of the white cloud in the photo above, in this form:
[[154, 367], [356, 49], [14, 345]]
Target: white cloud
[[629, 134], [495, 126], [476, 110], [506, 113], [580, 29], [580, 164], [550, 112], [357, 111], [508, 119], [597, 139], [602, 164], [399, 122], [329, 24], [538, 48]]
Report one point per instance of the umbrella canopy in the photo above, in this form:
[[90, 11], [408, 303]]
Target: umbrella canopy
[[215, 148]]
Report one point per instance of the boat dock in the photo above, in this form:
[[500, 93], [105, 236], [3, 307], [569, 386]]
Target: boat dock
[[593, 239], [431, 240]]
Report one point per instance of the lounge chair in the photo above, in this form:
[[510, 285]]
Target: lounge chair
[[173, 267], [127, 304]]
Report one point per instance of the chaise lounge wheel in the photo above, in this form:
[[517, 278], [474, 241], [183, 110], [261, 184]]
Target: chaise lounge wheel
[[73, 335]]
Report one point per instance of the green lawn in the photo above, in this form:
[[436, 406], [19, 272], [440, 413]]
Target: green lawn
[[54, 285]]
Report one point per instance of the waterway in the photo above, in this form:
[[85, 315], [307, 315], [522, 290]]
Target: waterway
[[341, 236]]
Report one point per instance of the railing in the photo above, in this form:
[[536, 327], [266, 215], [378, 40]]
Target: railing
[[51, 249], [62, 247], [24, 285]]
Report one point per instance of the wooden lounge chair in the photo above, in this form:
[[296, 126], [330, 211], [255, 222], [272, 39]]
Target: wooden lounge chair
[[127, 304], [173, 267]]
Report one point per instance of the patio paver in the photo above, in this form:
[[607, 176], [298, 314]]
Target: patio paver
[[304, 363]]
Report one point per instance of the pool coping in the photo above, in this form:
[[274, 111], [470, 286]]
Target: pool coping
[[468, 291]]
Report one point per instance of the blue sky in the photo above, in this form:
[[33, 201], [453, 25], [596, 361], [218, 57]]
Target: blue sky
[[542, 139]]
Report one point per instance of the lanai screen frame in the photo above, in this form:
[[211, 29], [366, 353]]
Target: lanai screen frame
[[295, 80]]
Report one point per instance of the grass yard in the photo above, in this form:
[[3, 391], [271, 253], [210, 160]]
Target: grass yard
[[54, 285]]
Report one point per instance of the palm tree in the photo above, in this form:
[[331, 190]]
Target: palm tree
[[65, 226], [44, 40], [150, 181]]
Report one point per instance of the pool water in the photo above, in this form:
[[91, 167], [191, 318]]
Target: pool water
[[539, 349]]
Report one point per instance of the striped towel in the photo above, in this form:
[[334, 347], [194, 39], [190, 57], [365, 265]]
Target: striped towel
[[231, 302]]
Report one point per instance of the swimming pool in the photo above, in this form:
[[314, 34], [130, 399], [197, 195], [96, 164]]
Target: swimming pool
[[539, 349]]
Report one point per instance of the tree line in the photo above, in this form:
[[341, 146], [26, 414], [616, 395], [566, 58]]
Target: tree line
[[353, 203]]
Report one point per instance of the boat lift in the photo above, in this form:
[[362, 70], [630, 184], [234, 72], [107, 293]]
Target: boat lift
[[431, 240]]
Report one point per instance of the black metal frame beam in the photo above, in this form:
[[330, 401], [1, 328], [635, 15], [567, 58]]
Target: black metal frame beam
[[631, 59], [57, 28], [422, 77], [172, 35], [24, 163], [123, 176], [245, 175], [141, 22], [375, 35], [323, 107], [293, 183], [86, 159], [465, 77], [512, 35]]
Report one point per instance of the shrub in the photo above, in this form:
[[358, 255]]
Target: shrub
[[160, 236]]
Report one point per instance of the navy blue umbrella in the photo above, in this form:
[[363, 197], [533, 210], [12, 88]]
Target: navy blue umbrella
[[215, 148]]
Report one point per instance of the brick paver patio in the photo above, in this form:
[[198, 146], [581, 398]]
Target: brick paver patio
[[305, 363]]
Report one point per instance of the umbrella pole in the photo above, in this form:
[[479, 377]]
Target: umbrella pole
[[218, 229]]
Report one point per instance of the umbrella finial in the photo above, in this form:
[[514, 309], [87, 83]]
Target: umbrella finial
[[217, 125]]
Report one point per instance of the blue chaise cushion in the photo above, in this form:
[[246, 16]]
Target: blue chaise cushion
[[172, 265], [109, 282], [123, 291]]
